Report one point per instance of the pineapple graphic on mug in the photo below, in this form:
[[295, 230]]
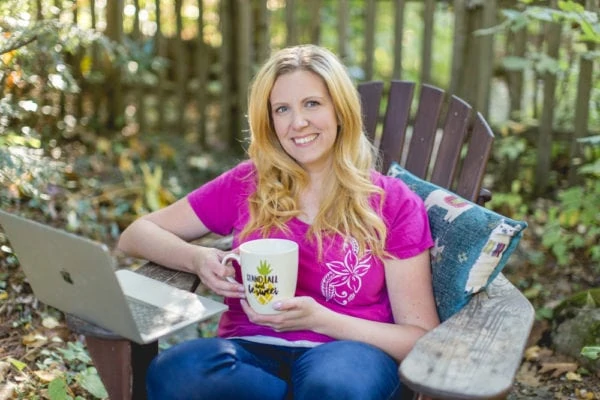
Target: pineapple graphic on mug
[[268, 271], [264, 285]]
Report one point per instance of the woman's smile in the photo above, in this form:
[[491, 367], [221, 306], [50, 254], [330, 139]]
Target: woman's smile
[[303, 140]]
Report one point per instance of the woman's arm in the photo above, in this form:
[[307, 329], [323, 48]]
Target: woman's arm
[[413, 306], [163, 237]]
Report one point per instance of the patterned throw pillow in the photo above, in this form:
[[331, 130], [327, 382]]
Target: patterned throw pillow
[[472, 243]]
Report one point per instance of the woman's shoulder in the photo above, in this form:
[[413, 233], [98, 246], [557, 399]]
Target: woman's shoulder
[[243, 171], [395, 190], [388, 183]]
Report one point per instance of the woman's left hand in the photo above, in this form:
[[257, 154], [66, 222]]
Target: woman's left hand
[[298, 313]]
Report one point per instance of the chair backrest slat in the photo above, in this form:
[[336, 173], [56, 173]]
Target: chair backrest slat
[[396, 119], [453, 137], [473, 167], [370, 95], [424, 130], [453, 168]]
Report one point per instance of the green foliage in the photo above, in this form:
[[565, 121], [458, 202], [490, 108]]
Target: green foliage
[[79, 371], [572, 226], [585, 23], [591, 352]]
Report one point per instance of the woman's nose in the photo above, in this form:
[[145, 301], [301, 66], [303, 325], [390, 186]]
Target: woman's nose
[[300, 121]]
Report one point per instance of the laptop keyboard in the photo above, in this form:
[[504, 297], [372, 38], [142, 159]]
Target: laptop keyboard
[[149, 317]]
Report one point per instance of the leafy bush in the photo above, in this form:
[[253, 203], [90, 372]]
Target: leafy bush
[[572, 226]]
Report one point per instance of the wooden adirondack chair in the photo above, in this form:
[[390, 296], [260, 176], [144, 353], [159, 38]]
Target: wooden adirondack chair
[[472, 355]]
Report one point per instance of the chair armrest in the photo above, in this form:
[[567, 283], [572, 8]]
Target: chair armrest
[[474, 354], [180, 279], [484, 196]]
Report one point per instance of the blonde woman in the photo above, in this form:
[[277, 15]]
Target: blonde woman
[[364, 292]]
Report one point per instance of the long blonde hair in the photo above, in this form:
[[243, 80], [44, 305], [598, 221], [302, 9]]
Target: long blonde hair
[[346, 209]]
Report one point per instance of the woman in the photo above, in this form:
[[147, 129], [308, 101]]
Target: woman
[[364, 292]]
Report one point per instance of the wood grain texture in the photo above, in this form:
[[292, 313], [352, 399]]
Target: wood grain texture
[[475, 353], [112, 359]]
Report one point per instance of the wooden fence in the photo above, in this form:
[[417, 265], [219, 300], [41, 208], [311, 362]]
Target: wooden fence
[[214, 46]]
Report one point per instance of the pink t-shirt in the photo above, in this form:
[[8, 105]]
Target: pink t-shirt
[[340, 281]]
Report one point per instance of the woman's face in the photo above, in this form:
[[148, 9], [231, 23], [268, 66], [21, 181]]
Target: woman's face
[[304, 119]]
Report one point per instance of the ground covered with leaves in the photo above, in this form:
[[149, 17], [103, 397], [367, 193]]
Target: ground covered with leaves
[[546, 373], [105, 184]]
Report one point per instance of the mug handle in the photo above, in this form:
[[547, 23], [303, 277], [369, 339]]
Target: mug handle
[[231, 256]]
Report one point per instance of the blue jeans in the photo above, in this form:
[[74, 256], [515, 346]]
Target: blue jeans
[[237, 369]]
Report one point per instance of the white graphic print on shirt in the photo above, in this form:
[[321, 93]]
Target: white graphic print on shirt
[[344, 279]]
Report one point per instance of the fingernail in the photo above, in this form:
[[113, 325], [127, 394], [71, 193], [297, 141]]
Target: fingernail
[[277, 305]]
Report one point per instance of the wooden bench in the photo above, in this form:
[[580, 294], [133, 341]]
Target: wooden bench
[[472, 355]]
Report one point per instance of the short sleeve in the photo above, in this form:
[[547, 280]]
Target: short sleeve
[[406, 219], [220, 203]]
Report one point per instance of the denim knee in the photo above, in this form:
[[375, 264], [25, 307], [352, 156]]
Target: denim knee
[[176, 373], [346, 370], [210, 369]]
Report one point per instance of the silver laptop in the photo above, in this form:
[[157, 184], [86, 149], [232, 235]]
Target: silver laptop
[[79, 276]]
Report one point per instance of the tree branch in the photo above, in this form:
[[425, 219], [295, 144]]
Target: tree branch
[[18, 46]]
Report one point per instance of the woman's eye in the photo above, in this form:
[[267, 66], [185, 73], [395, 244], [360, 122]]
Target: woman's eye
[[312, 103], [281, 109]]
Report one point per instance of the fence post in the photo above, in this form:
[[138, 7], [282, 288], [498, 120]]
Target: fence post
[[458, 47], [426, 49], [290, 22], [343, 27], [140, 92], [398, 34], [486, 52], [544, 143], [518, 46], [114, 86], [224, 129], [243, 66], [582, 105], [371, 11], [180, 69], [261, 31], [202, 61], [315, 21]]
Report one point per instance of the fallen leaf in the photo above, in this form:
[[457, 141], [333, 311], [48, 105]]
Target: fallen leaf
[[50, 322], [532, 353], [585, 394], [4, 368], [573, 376], [19, 365], [558, 368], [47, 376], [537, 353], [34, 340], [7, 390]]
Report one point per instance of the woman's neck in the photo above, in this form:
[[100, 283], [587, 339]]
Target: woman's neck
[[312, 195]]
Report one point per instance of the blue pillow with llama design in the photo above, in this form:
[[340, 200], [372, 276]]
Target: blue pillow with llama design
[[471, 243]]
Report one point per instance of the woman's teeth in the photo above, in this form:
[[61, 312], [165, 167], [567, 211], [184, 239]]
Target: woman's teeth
[[305, 139]]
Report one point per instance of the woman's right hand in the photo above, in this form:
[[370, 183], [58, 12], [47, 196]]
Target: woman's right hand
[[220, 278]]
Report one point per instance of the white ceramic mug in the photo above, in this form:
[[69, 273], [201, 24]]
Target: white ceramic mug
[[269, 271]]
